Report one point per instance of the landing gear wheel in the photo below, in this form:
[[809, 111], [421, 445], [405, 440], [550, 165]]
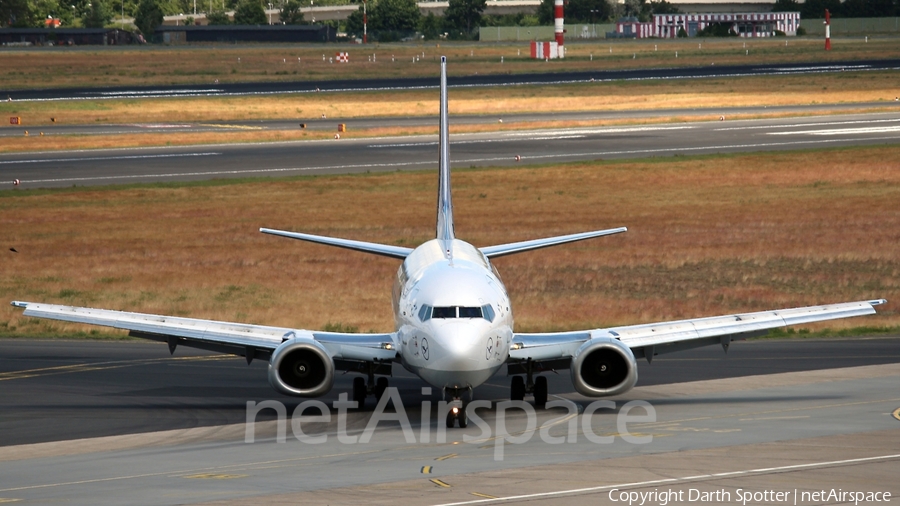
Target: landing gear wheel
[[517, 390], [380, 386], [540, 392], [359, 392], [450, 420], [462, 419]]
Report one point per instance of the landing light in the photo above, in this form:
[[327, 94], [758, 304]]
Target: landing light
[[454, 410], [517, 346], [387, 346]]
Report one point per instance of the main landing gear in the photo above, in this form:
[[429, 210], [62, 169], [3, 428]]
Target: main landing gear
[[537, 386], [362, 389]]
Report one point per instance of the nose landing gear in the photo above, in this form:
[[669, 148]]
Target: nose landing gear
[[457, 413]]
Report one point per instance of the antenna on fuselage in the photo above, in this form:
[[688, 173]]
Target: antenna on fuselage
[[444, 204]]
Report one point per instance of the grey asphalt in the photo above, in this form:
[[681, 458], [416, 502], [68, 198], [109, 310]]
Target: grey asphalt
[[789, 432], [476, 80], [336, 156], [63, 390]]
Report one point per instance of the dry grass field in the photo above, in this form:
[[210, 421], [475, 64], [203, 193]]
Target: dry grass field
[[707, 235], [844, 87], [153, 65]]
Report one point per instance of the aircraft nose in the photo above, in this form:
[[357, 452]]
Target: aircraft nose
[[461, 340]]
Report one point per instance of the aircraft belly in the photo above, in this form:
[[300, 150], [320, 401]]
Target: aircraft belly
[[454, 378]]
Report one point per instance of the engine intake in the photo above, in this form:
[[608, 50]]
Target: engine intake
[[603, 366], [301, 367]]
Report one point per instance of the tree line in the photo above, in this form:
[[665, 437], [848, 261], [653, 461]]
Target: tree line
[[815, 9], [387, 19]]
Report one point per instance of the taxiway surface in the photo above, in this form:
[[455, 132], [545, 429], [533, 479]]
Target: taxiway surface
[[97, 167], [789, 432]]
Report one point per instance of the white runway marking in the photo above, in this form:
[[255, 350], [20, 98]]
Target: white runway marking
[[819, 68], [482, 141], [843, 131], [101, 158], [155, 93], [609, 130], [641, 484], [807, 125], [579, 133]]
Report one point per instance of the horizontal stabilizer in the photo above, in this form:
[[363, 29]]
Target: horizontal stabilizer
[[519, 247], [367, 247]]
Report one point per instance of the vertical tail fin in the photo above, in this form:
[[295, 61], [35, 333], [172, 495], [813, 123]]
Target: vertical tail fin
[[444, 204]]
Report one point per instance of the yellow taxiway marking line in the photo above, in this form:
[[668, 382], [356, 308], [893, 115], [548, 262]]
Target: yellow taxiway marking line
[[773, 418], [98, 366], [175, 474], [426, 470], [450, 456], [439, 483], [476, 494], [214, 476], [7, 499], [896, 414]]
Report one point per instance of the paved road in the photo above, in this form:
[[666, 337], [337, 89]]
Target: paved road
[[62, 390], [240, 89], [420, 152]]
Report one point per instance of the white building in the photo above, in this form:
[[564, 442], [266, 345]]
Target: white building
[[747, 24]]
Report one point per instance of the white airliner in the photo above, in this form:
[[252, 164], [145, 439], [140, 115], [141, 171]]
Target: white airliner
[[454, 325]]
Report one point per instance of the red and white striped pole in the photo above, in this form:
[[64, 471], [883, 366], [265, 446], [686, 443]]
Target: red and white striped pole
[[365, 22], [827, 30], [558, 22]]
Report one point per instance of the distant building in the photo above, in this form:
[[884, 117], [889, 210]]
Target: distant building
[[244, 33], [65, 36], [748, 24]]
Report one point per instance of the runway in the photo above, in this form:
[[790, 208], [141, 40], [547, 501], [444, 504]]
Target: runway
[[483, 80], [101, 167], [779, 418]]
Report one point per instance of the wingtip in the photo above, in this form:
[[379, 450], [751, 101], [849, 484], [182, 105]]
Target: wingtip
[[17, 303], [878, 302]]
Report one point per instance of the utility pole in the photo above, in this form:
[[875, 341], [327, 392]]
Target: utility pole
[[365, 22]]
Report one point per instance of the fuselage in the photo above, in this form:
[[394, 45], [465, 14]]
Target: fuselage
[[452, 314]]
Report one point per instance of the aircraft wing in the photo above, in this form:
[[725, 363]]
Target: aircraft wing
[[647, 340], [250, 341]]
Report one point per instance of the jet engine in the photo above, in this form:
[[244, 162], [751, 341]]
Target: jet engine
[[603, 366], [301, 367]]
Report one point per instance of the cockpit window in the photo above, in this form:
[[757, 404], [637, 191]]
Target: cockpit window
[[444, 312], [470, 312], [488, 312], [485, 312], [425, 313]]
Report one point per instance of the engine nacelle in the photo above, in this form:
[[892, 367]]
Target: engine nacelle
[[603, 366], [301, 367]]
